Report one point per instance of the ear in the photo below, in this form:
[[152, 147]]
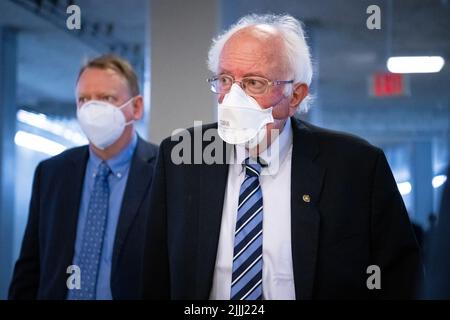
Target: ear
[[299, 92], [138, 108]]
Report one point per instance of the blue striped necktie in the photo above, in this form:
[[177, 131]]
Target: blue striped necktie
[[92, 243], [246, 281]]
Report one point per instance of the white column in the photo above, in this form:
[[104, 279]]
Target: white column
[[181, 33]]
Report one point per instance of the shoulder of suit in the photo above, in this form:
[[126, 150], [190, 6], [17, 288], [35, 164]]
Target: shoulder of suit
[[66, 156], [331, 139], [326, 138], [148, 149], [62, 162], [175, 138]]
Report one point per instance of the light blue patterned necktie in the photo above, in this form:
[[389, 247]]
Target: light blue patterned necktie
[[246, 281], [93, 234]]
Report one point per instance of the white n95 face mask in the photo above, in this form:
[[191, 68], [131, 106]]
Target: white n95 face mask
[[102, 123], [241, 119]]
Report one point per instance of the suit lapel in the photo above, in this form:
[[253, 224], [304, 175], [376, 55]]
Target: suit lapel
[[306, 184], [139, 178], [211, 192], [68, 217]]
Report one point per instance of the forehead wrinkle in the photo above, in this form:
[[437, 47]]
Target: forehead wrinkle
[[100, 82], [255, 48], [243, 60]]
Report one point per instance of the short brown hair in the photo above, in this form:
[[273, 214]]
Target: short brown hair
[[119, 65]]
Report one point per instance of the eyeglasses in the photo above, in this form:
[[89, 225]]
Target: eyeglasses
[[253, 85]]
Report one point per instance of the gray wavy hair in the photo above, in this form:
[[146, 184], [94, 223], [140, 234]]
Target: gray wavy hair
[[291, 30]]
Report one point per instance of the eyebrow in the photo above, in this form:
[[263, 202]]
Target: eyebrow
[[249, 74], [104, 93]]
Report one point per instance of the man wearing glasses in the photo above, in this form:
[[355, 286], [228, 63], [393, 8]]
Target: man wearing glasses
[[318, 216]]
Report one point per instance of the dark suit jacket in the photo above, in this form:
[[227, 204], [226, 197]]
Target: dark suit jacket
[[356, 218], [48, 244], [438, 267]]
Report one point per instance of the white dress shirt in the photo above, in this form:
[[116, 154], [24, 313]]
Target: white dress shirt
[[275, 180]]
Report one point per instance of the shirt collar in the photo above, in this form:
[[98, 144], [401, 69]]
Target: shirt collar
[[275, 155], [120, 163]]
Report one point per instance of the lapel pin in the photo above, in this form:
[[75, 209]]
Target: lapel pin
[[306, 198]]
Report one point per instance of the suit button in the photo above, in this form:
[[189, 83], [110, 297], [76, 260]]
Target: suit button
[[306, 198]]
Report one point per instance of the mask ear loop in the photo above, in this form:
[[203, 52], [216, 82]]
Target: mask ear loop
[[123, 106]]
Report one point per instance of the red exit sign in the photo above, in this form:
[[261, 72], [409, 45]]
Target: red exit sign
[[388, 84]]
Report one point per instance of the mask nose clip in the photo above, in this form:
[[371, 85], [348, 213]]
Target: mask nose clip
[[240, 84]]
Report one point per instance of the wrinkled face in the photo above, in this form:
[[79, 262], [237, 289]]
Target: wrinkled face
[[104, 85], [259, 51]]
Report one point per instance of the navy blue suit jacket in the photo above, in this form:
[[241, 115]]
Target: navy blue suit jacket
[[48, 244], [438, 271], [355, 218]]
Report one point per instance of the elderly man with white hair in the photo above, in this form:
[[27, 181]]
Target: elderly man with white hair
[[294, 211]]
